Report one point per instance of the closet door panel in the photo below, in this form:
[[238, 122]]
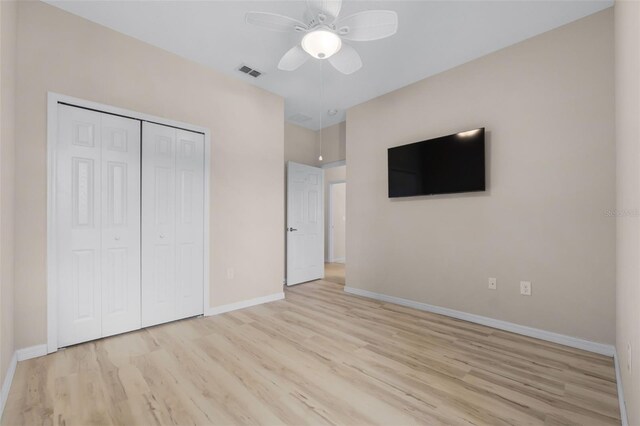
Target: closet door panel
[[189, 222], [129, 224], [77, 215], [120, 224], [158, 224]]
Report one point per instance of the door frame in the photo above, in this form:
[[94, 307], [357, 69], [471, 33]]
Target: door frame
[[332, 259], [55, 99]]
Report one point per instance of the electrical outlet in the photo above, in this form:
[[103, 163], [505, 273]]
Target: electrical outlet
[[493, 283], [230, 273], [629, 357], [525, 288]]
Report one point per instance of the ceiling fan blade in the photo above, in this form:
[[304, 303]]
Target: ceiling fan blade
[[368, 25], [293, 59], [347, 60], [331, 8], [274, 22]]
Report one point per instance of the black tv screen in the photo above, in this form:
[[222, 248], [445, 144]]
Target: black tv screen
[[444, 165]]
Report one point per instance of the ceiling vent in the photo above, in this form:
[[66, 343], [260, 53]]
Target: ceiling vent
[[299, 118], [250, 71]]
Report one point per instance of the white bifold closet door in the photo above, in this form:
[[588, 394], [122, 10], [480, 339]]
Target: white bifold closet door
[[97, 217], [172, 224]]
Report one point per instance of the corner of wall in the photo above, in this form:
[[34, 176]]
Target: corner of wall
[[627, 79], [8, 41]]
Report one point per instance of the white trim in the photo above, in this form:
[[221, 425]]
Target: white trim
[[206, 252], [52, 131], [245, 304], [623, 407], [549, 336], [333, 164], [31, 352], [330, 197], [6, 385], [52, 272], [56, 97]]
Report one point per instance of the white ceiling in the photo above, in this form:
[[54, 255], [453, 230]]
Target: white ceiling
[[433, 36]]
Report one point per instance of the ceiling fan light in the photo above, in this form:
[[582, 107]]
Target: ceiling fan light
[[321, 44]]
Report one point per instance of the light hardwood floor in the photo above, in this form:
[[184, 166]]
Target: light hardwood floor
[[319, 357], [334, 272]]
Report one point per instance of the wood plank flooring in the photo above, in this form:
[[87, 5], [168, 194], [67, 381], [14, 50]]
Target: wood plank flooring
[[334, 272], [319, 357]]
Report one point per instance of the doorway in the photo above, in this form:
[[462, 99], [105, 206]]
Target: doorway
[[335, 266], [337, 221]]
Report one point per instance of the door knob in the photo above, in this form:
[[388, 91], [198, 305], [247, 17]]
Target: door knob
[[161, 235], [117, 238], [292, 229]]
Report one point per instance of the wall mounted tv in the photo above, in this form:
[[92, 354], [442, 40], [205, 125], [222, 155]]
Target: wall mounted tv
[[444, 165]]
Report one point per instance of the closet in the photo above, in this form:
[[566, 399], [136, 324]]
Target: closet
[[128, 224], [172, 223]]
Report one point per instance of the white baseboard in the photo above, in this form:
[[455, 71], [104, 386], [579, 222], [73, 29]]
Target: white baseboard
[[623, 406], [338, 260], [244, 304], [574, 342], [31, 352], [19, 355], [6, 385]]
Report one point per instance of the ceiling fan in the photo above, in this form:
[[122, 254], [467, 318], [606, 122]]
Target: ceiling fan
[[324, 33]]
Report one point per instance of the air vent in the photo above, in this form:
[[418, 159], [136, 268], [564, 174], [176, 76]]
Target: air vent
[[299, 118], [250, 71]]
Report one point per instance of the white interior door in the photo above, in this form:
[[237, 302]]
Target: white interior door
[[189, 223], [97, 216], [338, 197], [173, 225], [120, 224], [305, 223], [158, 224]]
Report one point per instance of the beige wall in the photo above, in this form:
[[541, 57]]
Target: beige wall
[[627, 22], [303, 145], [331, 174], [300, 145], [337, 194], [548, 106], [63, 53], [8, 21], [334, 143]]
